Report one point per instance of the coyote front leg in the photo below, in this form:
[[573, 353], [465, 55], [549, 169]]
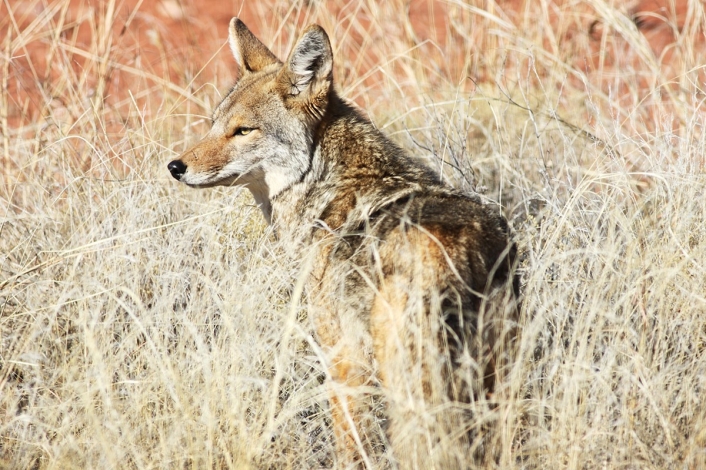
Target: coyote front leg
[[349, 392], [350, 407]]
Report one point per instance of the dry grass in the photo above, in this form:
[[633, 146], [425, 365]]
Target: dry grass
[[147, 325]]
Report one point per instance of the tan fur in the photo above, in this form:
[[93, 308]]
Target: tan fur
[[411, 287]]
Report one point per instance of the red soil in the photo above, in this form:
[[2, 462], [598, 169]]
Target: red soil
[[171, 39]]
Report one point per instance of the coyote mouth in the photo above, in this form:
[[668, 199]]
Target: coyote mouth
[[227, 181]]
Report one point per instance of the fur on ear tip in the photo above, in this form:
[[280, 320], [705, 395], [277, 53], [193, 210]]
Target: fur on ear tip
[[314, 27], [233, 41]]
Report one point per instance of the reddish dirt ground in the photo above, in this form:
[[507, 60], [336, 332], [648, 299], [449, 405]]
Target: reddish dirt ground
[[171, 39]]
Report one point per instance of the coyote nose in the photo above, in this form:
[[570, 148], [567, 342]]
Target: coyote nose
[[177, 169]]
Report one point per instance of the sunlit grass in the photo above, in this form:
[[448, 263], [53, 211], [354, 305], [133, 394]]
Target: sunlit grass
[[147, 325]]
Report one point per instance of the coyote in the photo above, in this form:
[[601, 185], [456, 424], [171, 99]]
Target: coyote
[[410, 282]]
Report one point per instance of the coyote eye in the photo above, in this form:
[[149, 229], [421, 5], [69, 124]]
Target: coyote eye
[[242, 131]]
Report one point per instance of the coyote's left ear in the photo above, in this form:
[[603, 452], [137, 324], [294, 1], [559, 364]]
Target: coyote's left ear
[[308, 72], [250, 54]]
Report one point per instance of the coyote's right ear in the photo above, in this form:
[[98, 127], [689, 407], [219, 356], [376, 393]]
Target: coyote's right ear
[[308, 72], [250, 54]]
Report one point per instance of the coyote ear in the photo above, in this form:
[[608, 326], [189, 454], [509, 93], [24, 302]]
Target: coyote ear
[[250, 54], [309, 68]]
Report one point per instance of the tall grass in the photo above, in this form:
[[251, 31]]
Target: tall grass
[[148, 325]]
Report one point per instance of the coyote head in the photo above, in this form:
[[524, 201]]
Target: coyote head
[[262, 132]]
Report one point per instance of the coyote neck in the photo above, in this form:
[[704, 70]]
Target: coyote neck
[[354, 171]]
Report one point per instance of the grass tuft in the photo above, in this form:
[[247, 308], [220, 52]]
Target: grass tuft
[[147, 325]]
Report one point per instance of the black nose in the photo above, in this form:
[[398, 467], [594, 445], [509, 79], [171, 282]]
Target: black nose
[[177, 169]]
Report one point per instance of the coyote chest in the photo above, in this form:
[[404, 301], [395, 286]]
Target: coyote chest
[[410, 281]]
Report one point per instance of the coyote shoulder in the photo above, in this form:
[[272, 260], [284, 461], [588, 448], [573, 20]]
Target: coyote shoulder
[[411, 285]]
